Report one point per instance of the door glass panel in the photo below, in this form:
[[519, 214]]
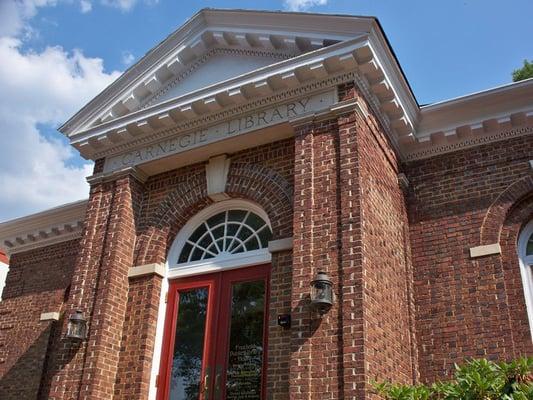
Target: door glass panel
[[188, 345], [245, 359]]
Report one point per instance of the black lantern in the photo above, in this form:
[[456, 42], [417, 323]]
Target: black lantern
[[321, 293], [77, 326]]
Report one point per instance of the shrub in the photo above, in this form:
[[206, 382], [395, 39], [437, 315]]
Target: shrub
[[475, 380]]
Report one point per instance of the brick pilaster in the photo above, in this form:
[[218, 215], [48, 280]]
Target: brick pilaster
[[316, 364], [349, 220], [378, 326], [99, 288], [352, 281]]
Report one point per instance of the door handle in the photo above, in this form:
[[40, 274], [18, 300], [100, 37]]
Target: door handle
[[205, 386], [218, 377]]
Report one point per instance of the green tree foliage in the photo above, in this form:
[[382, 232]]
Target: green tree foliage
[[476, 380], [523, 73]]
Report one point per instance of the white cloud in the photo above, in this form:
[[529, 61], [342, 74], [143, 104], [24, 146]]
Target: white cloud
[[15, 13], [303, 5], [41, 88], [85, 6], [127, 58], [124, 5], [127, 5]]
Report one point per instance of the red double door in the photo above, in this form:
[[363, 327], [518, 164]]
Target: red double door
[[215, 337]]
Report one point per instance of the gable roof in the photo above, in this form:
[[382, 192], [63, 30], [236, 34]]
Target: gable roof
[[225, 62], [303, 47]]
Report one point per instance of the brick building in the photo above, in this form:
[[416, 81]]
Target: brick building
[[241, 156]]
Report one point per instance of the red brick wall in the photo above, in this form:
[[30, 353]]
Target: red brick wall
[[350, 220], [24, 340], [136, 350], [279, 339], [387, 273], [99, 290], [316, 343], [469, 307], [375, 256], [334, 188]]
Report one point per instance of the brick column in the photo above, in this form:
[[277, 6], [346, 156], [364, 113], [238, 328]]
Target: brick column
[[378, 328], [99, 288], [349, 220], [352, 281], [316, 345]]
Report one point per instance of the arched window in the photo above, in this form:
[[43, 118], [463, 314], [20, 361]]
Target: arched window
[[225, 235], [525, 254], [228, 232]]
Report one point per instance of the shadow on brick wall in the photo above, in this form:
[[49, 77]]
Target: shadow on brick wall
[[22, 379]]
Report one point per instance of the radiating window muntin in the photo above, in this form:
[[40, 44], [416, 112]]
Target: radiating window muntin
[[225, 233]]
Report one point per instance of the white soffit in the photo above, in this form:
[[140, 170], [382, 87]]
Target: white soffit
[[488, 116], [304, 48], [55, 225]]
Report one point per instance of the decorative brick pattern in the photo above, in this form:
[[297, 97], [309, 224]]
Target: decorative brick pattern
[[498, 210]]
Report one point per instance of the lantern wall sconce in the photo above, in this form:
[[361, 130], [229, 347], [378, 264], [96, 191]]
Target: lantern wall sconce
[[77, 326], [321, 293]]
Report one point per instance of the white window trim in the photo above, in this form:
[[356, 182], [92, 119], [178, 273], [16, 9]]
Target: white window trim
[[526, 271], [247, 259], [174, 270]]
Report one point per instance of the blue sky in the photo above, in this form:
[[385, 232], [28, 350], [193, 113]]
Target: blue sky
[[55, 55]]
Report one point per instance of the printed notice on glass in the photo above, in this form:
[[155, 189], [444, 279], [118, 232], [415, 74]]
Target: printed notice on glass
[[244, 373]]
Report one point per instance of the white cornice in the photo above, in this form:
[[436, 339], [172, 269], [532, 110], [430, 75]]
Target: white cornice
[[473, 108], [484, 117], [320, 46], [55, 225]]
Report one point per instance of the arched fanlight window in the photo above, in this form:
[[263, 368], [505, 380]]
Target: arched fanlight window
[[525, 253], [228, 232]]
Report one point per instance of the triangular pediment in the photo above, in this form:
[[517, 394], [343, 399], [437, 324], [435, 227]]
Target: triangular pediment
[[214, 57], [214, 46], [217, 65]]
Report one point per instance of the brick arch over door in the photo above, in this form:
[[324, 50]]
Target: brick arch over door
[[499, 210], [518, 216], [253, 182]]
